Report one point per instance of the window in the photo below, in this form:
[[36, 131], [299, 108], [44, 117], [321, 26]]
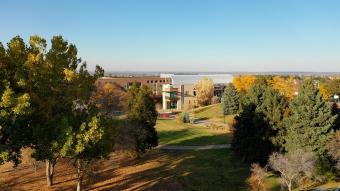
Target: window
[[194, 93], [147, 81], [151, 81], [155, 81]]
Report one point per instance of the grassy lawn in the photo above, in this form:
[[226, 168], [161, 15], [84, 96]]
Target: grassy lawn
[[209, 112], [206, 170], [171, 132], [212, 112]]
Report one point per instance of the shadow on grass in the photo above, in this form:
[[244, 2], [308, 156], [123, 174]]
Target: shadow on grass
[[204, 170], [187, 137]]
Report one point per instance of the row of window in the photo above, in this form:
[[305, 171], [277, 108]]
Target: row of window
[[156, 81]]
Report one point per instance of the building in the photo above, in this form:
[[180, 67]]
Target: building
[[155, 83], [181, 93], [170, 91]]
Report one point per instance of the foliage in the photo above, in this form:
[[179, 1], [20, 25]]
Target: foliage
[[257, 178], [286, 86], [243, 83], [90, 138], [142, 115], [40, 91], [293, 166], [183, 117], [230, 100], [332, 86], [205, 91], [324, 92], [258, 128], [310, 123], [251, 140], [15, 102], [108, 99], [333, 148]]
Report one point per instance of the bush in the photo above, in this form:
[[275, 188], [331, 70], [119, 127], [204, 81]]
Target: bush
[[256, 180], [183, 117], [215, 100]]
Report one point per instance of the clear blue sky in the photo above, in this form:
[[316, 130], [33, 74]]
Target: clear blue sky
[[186, 35]]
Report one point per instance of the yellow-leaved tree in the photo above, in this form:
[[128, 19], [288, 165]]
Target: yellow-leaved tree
[[324, 92], [205, 91], [286, 86], [243, 83]]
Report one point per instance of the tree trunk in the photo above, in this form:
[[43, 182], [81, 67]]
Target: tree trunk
[[289, 187], [80, 175], [49, 172], [79, 187]]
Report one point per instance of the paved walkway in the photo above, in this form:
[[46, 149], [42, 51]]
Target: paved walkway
[[195, 148]]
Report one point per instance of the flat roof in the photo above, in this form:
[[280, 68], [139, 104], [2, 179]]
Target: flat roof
[[189, 79]]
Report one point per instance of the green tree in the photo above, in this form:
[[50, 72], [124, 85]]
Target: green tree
[[250, 140], [310, 123], [90, 137], [259, 124], [15, 104], [230, 100], [142, 115], [58, 84]]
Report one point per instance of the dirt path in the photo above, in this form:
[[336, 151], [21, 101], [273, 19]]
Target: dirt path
[[196, 148]]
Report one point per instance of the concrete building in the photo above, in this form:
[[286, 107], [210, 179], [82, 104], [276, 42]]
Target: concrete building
[[155, 83], [171, 92], [181, 93]]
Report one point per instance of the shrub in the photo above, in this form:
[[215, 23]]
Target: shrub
[[183, 117], [257, 178]]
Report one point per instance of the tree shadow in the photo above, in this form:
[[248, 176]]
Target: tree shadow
[[173, 170]]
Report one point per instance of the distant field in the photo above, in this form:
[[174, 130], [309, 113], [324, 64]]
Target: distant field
[[170, 132]]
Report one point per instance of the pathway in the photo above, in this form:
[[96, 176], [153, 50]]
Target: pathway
[[195, 148]]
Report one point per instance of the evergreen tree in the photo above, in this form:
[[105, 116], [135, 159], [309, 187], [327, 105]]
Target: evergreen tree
[[230, 100], [258, 131], [142, 115], [250, 141], [310, 123]]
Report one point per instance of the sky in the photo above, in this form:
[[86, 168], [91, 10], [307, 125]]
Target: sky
[[186, 35]]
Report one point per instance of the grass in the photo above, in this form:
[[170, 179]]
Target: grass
[[216, 170], [157, 170], [209, 112], [171, 132]]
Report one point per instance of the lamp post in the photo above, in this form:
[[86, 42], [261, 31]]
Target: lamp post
[[336, 98]]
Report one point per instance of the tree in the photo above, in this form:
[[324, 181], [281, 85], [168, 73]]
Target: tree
[[286, 86], [243, 83], [230, 100], [257, 178], [15, 106], [293, 166], [141, 115], [251, 138], [259, 130], [324, 92], [108, 99], [333, 148], [205, 91], [310, 123], [58, 83], [90, 138], [332, 86]]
